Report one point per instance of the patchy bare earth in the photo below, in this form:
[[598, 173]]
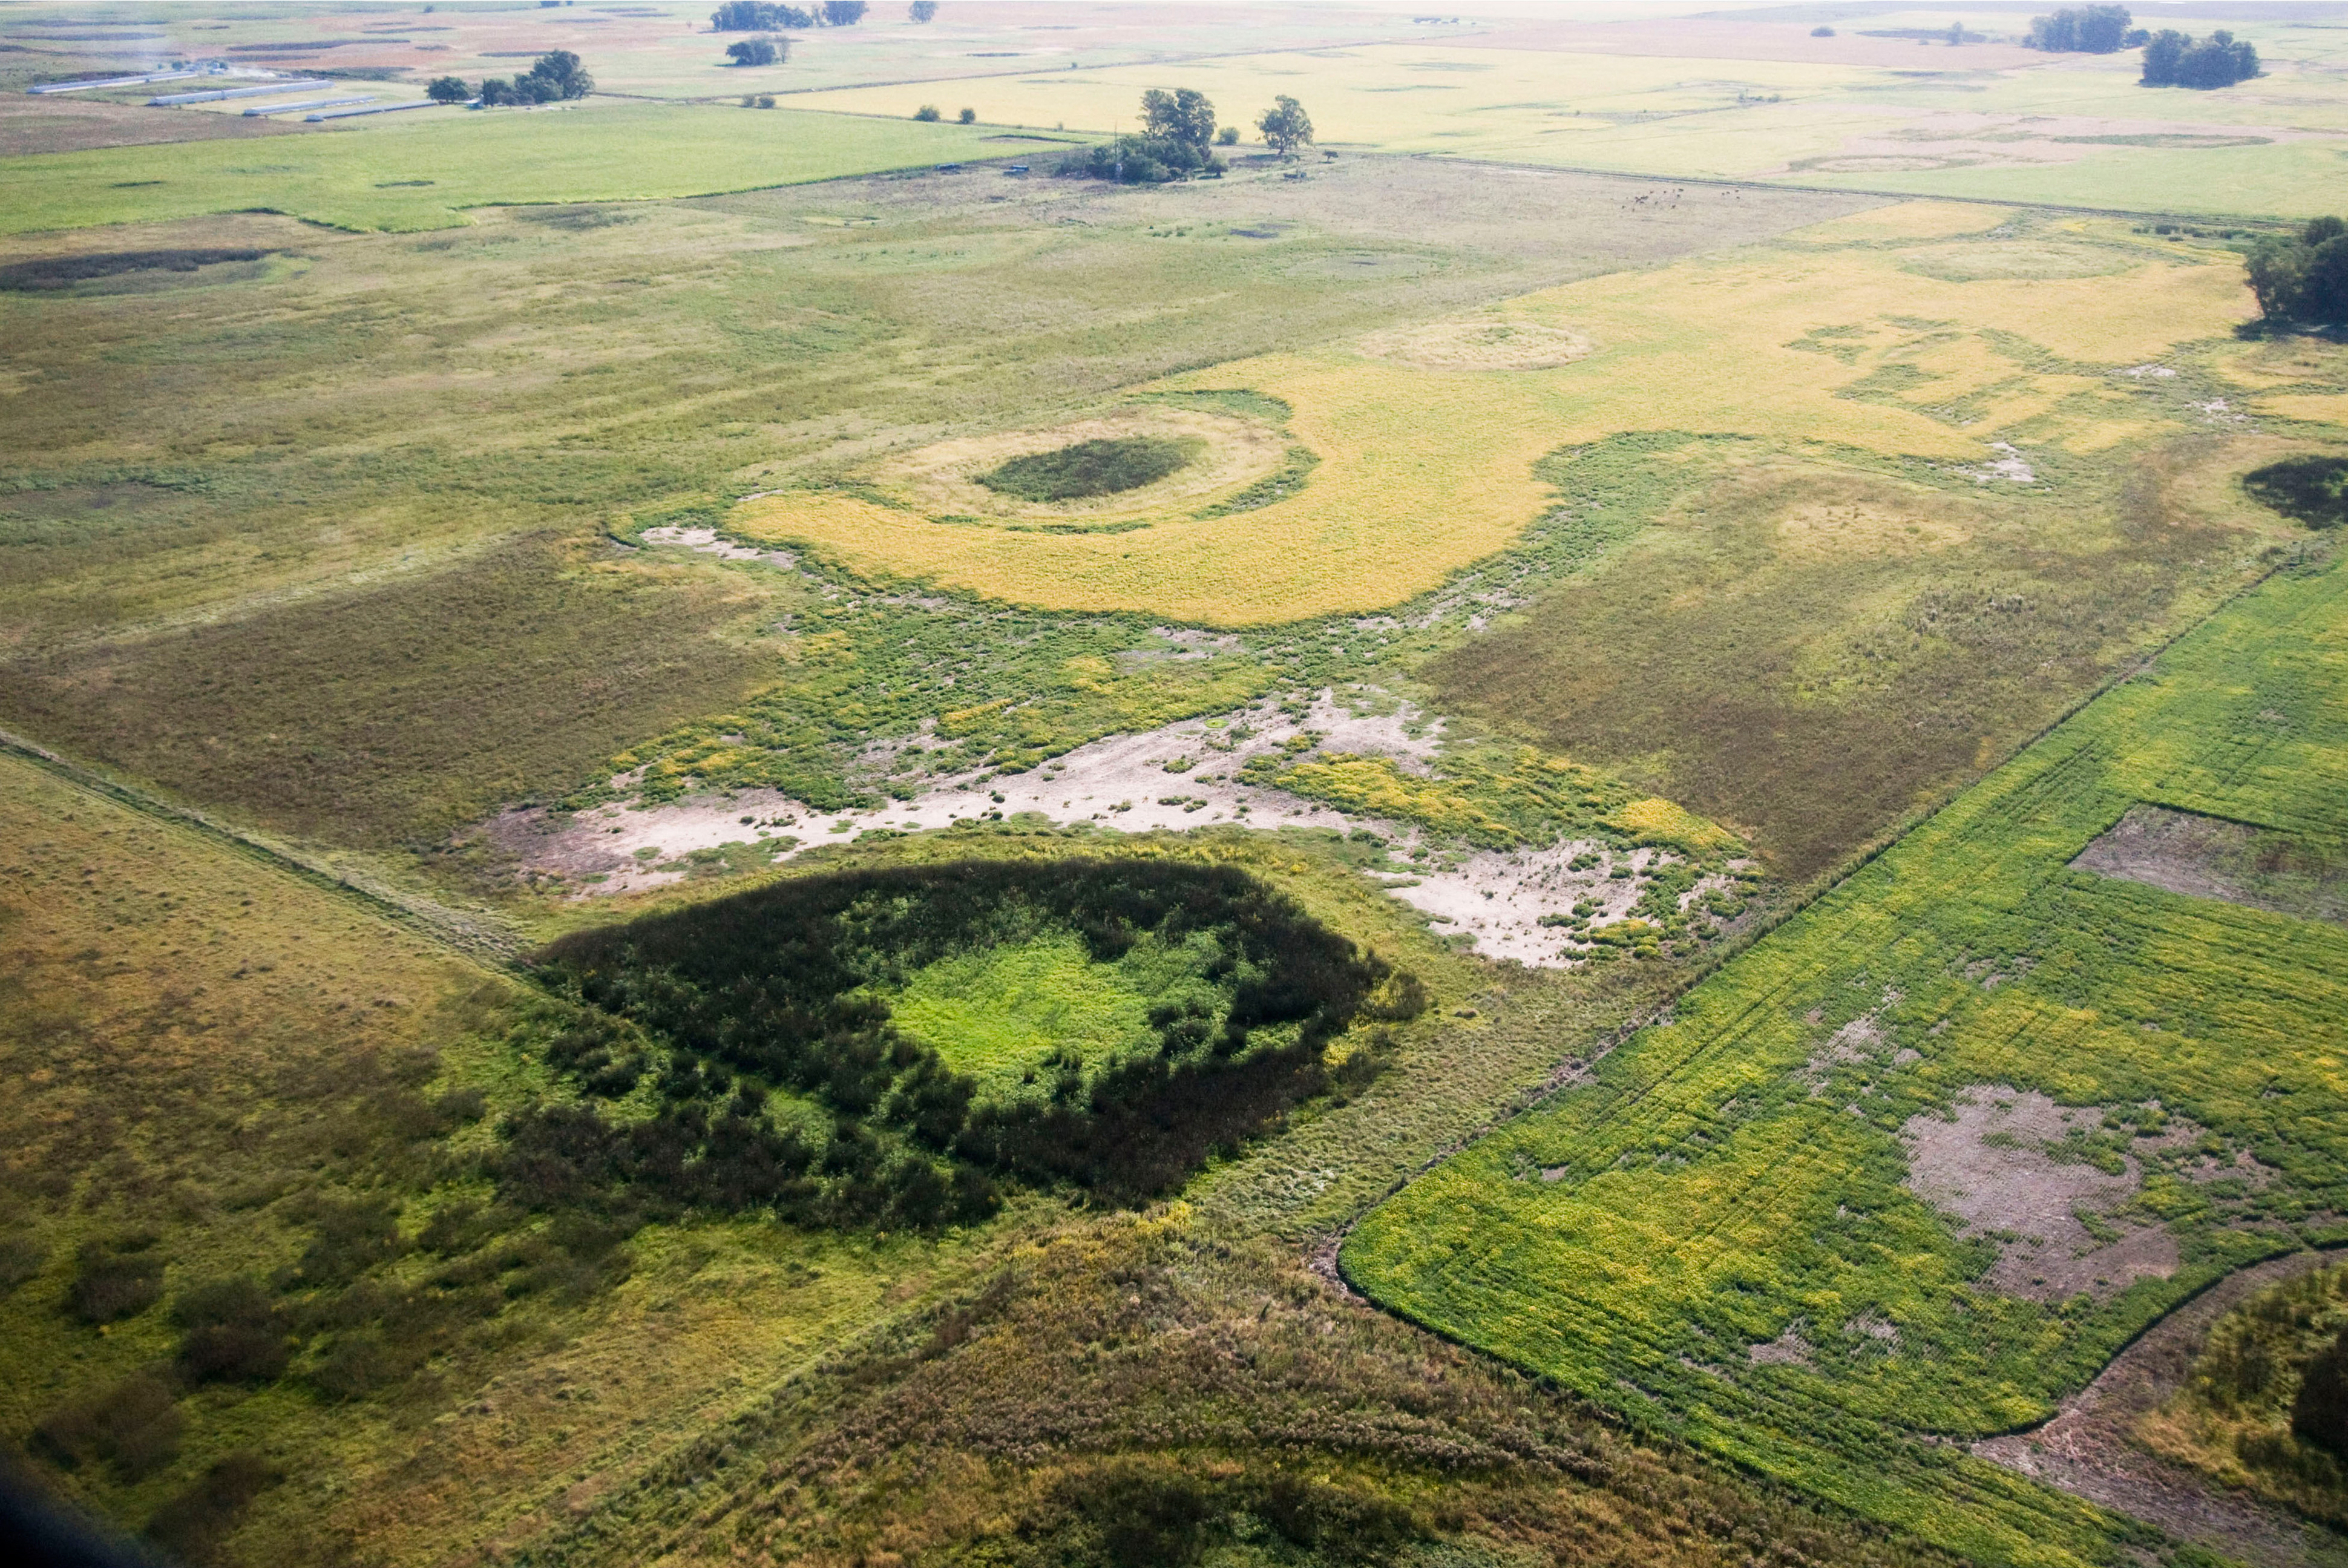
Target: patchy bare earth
[[2086, 1449], [2203, 857], [1181, 775], [1995, 1165]]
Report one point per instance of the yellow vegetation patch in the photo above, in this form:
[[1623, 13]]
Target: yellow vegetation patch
[[2314, 407], [1655, 820], [1422, 471], [1908, 220]]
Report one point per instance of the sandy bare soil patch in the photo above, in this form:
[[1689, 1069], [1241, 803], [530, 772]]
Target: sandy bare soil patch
[[1496, 899], [2203, 857], [1486, 343], [941, 481], [2087, 1450], [1993, 1166]]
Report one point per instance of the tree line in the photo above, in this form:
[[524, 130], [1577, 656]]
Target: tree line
[[765, 16], [556, 74]]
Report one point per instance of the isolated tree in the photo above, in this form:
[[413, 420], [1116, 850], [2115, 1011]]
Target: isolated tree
[[1956, 34], [967, 116], [753, 52], [1183, 115], [928, 112], [448, 89], [1285, 126], [843, 13], [923, 10]]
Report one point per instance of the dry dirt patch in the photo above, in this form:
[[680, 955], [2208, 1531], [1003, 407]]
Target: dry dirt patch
[[2203, 857], [1993, 1166], [941, 479], [1488, 343]]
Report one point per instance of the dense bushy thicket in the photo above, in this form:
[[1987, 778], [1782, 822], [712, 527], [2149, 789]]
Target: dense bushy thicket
[[1141, 160], [2084, 29], [2303, 277], [775, 987], [2172, 59]]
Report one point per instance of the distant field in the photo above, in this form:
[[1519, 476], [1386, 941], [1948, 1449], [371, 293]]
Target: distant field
[[2070, 129], [421, 172], [1814, 1206], [1912, 349]]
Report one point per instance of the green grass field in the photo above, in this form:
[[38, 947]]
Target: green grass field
[[423, 171], [1739, 1173]]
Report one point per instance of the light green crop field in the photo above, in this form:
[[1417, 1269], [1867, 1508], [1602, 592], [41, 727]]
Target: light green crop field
[[1775, 1224], [422, 170]]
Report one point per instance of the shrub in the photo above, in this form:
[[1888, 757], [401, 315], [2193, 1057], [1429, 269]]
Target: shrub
[[1228, 136], [115, 1281], [1140, 161], [190, 1524], [967, 116], [1094, 467], [1822, 32], [231, 1333], [135, 1427], [928, 113], [21, 1261]]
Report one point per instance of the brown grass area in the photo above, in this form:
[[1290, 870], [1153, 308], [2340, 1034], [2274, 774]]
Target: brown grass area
[[1140, 1390], [366, 718], [35, 125], [1810, 655]]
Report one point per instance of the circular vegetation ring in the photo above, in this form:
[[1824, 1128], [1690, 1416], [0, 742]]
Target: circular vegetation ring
[[1137, 463], [1488, 344]]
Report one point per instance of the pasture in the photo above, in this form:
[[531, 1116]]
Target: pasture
[[424, 171], [1732, 1227]]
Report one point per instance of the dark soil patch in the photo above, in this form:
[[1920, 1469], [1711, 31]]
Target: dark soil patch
[[64, 272]]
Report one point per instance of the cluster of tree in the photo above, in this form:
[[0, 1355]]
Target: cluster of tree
[[2303, 277], [2084, 29], [759, 51], [2172, 59], [1178, 140], [777, 987], [556, 76], [765, 16]]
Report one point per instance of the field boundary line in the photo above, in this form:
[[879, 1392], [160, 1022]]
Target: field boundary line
[[482, 938]]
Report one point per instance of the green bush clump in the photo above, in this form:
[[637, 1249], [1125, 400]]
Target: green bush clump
[[115, 1279], [2312, 490], [1099, 467]]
